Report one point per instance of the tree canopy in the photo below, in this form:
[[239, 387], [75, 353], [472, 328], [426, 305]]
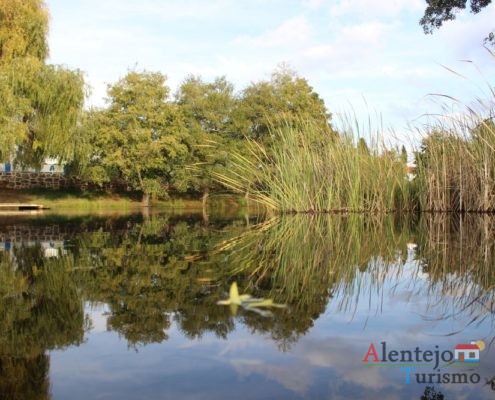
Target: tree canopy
[[286, 99], [141, 137], [40, 103], [208, 111], [23, 29], [439, 11]]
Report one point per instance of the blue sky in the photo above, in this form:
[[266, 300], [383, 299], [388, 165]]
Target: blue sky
[[367, 56]]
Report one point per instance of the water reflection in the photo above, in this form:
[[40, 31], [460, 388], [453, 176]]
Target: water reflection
[[347, 280]]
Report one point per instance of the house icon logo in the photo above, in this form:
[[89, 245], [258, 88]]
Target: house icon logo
[[468, 353]]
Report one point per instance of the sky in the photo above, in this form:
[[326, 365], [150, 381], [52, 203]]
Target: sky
[[365, 58]]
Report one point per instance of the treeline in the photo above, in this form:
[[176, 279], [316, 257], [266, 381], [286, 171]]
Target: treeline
[[147, 137], [273, 139], [155, 141]]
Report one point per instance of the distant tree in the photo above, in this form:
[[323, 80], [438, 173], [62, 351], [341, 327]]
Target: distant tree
[[40, 103], [140, 137], [431, 394], [286, 99], [40, 114], [439, 11], [23, 29], [207, 108]]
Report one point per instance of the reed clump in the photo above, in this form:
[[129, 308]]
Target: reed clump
[[456, 165], [307, 170]]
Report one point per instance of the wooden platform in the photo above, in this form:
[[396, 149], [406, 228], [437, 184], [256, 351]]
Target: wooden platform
[[21, 207]]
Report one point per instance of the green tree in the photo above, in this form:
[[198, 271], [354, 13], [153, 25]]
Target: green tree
[[40, 103], [286, 99], [23, 29], [439, 11], [48, 101], [141, 137], [207, 108]]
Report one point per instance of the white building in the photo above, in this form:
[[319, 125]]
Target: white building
[[49, 165]]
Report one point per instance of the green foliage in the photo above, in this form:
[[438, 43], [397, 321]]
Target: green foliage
[[286, 99], [40, 103], [50, 99], [23, 30], [207, 109], [140, 138], [308, 169], [26, 378], [439, 11], [151, 272], [40, 305], [207, 106], [456, 172]]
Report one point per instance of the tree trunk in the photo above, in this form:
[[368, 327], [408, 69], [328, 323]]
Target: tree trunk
[[206, 193], [145, 201]]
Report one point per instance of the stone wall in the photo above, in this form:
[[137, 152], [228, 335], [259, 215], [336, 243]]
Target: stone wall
[[31, 180], [53, 181], [27, 233]]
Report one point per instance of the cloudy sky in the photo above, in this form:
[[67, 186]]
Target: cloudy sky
[[367, 56]]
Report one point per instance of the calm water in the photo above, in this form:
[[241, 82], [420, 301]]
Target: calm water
[[125, 308]]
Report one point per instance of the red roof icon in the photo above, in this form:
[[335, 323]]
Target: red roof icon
[[467, 347]]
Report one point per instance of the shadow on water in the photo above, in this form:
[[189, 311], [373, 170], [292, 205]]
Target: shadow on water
[[163, 271]]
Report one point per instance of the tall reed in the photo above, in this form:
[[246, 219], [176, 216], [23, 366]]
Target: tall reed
[[456, 161], [456, 165], [312, 171]]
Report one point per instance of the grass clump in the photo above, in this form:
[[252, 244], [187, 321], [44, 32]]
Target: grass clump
[[308, 170], [456, 164]]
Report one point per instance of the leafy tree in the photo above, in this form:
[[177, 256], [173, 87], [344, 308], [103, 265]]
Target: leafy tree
[[44, 105], [140, 137], [23, 29], [286, 99], [207, 108], [40, 103], [439, 11], [267, 108]]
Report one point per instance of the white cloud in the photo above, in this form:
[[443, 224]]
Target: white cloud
[[365, 33], [293, 32], [290, 376], [347, 49], [312, 3], [375, 8], [466, 33], [354, 48]]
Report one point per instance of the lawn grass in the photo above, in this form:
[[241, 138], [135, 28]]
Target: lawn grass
[[71, 202]]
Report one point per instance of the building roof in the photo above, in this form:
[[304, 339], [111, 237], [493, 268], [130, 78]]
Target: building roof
[[466, 347]]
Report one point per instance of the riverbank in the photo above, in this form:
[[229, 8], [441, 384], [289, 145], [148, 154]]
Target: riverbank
[[122, 203]]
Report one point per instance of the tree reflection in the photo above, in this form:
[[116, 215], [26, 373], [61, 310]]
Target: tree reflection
[[165, 270], [40, 310], [431, 394], [24, 378]]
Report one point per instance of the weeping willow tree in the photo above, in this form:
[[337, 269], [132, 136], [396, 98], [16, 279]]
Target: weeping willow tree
[[41, 103]]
